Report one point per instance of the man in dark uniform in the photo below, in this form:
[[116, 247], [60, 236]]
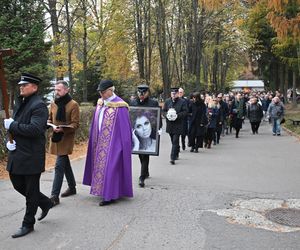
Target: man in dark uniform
[[185, 120], [144, 100], [176, 111], [26, 157]]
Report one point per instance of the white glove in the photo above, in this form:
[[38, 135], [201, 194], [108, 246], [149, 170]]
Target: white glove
[[11, 146], [160, 131], [7, 122]]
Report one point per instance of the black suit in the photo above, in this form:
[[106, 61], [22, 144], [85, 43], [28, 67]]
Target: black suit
[[144, 158], [176, 128], [27, 162]]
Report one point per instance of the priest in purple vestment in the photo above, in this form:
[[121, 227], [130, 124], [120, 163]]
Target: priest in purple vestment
[[108, 161]]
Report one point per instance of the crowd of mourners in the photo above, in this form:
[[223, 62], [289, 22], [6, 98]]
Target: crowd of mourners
[[206, 117]]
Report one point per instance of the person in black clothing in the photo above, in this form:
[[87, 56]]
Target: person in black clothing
[[225, 113], [185, 120], [255, 114], [144, 100], [26, 157], [238, 112], [176, 110], [198, 121]]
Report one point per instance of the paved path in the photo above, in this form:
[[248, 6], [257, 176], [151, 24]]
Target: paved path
[[174, 210]]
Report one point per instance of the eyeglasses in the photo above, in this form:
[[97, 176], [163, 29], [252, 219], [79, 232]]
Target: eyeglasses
[[104, 91]]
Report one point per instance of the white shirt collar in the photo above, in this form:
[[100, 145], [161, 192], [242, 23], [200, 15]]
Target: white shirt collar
[[109, 99]]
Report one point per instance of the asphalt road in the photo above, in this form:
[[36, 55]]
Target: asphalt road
[[173, 211]]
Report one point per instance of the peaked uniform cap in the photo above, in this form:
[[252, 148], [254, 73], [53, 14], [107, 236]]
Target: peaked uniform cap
[[174, 89], [29, 78], [105, 84], [143, 87]]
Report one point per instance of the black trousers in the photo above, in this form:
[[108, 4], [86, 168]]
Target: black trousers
[[196, 141], [29, 186], [175, 146], [254, 127], [144, 159], [183, 141]]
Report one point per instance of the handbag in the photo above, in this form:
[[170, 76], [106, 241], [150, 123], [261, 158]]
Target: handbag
[[57, 137], [282, 121]]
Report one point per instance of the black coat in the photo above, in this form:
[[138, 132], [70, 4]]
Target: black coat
[[148, 102], [255, 112], [198, 120], [177, 126], [186, 119], [28, 130]]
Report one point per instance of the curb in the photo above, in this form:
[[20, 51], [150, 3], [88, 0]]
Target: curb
[[291, 133]]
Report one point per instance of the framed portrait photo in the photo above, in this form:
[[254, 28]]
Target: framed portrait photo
[[145, 125]]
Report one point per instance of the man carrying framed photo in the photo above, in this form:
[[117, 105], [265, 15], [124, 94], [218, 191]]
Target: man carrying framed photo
[[144, 100]]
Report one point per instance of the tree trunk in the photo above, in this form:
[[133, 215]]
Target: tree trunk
[[161, 38], [70, 73], [56, 36], [139, 38], [294, 89], [215, 70], [84, 80]]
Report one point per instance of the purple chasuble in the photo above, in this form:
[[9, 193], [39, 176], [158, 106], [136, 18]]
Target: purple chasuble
[[108, 161]]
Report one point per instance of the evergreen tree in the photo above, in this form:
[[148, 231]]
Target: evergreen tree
[[22, 26]]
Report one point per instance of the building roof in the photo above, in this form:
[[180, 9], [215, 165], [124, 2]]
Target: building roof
[[248, 83]]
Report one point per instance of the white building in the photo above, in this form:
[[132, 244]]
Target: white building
[[248, 85]]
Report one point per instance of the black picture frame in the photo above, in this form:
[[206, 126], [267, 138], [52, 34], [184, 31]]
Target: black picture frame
[[145, 116]]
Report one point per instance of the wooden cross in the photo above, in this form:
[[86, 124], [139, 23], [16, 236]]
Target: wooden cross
[[3, 53]]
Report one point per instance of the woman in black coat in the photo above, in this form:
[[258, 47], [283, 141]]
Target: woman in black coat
[[198, 122], [255, 114], [238, 112]]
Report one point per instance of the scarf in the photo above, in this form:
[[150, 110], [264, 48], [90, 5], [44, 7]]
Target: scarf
[[61, 103]]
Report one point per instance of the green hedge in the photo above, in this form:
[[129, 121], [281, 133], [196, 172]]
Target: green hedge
[[289, 124], [82, 134]]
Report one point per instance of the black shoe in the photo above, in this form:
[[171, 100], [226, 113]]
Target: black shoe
[[172, 162], [22, 232], [196, 150], [69, 192], [147, 176], [141, 182], [105, 203], [183, 147], [55, 200], [45, 212], [192, 150]]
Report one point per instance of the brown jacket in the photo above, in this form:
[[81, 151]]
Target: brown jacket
[[65, 146]]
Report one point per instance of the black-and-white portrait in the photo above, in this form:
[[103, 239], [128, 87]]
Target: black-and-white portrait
[[145, 125]]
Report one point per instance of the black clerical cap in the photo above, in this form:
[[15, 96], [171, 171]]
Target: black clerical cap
[[28, 78], [104, 84], [174, 89]]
